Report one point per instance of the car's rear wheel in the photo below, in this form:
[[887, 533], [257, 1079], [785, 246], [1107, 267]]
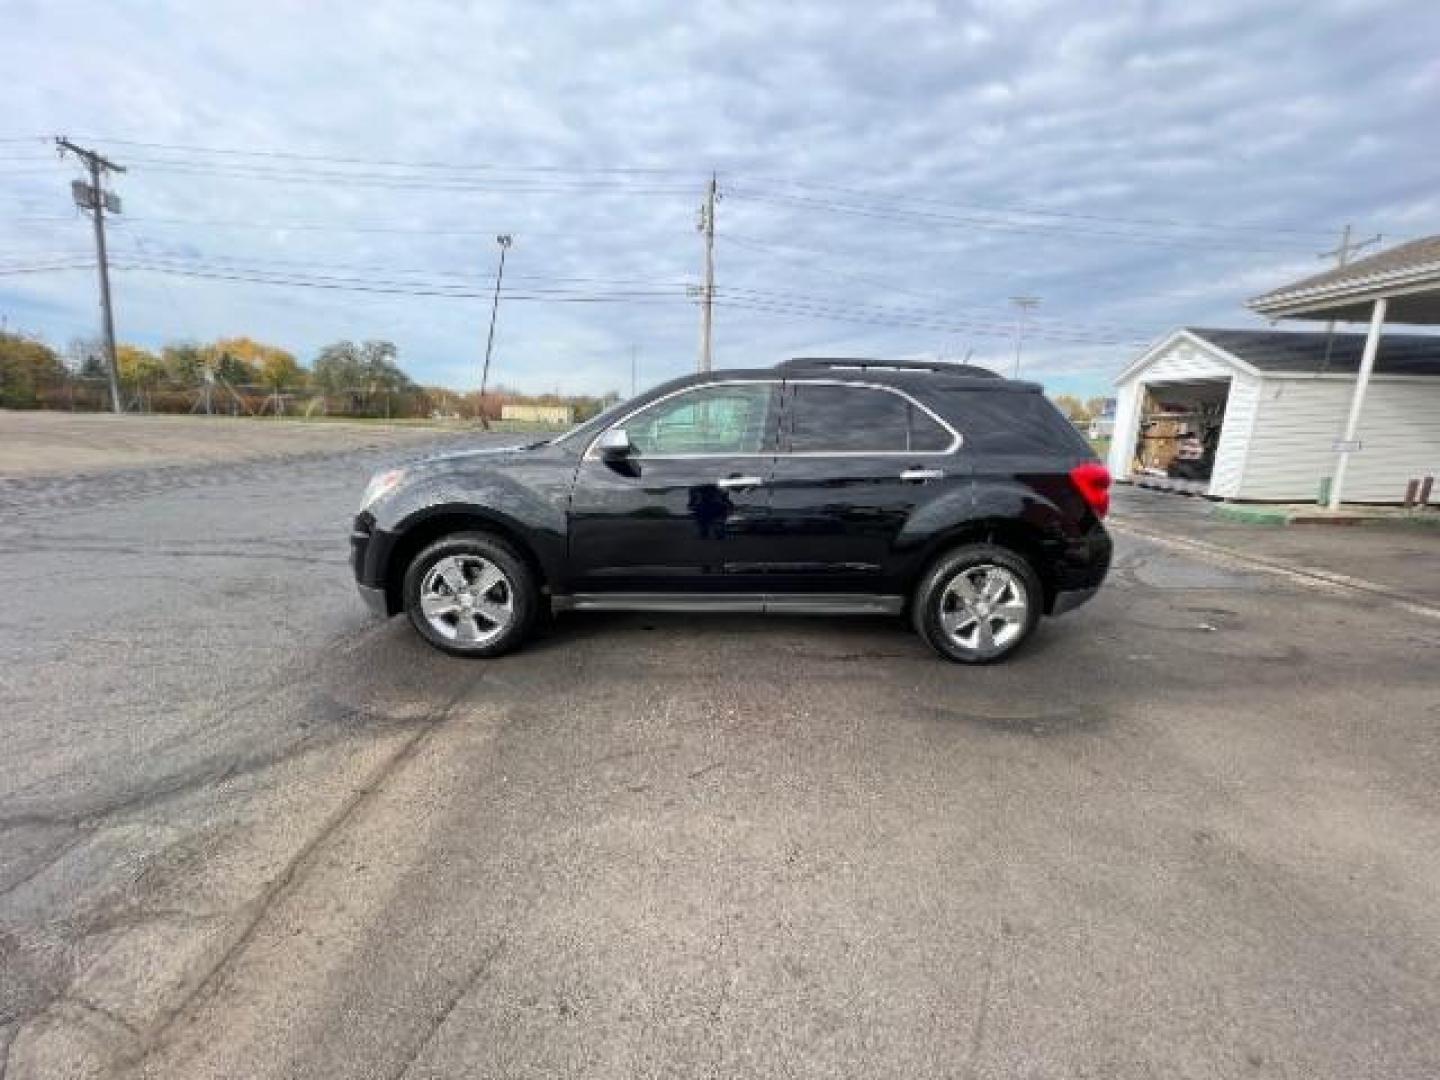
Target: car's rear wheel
[[471, 595], [978, 604]]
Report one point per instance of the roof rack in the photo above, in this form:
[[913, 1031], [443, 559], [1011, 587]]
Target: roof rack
[[857, 363]]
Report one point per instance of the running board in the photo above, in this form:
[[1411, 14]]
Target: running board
[[754, 603]]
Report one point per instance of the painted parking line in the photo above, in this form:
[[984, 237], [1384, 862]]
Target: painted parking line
[[1310, 576]]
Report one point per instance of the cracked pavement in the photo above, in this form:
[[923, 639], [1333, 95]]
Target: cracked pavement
[[245, 831]]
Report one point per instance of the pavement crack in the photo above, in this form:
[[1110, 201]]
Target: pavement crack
[[296, 869], [52, 856], [438, 1020], [982, 1010]]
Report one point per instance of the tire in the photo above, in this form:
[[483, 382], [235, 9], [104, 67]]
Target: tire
[[463, 615], [967, 634]]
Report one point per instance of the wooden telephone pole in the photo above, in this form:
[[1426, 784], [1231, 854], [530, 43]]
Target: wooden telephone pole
[[97, 200]]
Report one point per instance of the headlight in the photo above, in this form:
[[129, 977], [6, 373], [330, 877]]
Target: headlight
[[380, 485]]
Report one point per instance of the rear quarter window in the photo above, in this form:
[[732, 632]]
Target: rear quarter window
[[1011, 423]]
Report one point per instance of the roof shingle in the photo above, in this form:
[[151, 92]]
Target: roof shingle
[[1286, 351]]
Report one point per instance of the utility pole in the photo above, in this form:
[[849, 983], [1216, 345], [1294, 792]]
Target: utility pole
[[97, 200], [504, 240], [1342, 258], [1024, 303], [633, 370], [707, 296]]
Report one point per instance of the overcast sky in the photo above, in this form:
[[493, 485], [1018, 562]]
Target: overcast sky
[[891, 174]]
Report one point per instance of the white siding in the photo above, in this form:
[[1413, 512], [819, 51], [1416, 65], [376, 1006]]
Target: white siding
[[1181, 360], [1235, 435], [1184, 360], [1298, 419]]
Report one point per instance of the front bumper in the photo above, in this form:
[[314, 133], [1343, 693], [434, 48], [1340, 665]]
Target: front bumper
[[368, 549], [374, 599]]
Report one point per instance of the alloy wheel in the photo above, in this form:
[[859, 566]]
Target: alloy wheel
[[467, 599], [984, 609]]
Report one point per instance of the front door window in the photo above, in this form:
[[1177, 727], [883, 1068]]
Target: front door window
[[724, 419]]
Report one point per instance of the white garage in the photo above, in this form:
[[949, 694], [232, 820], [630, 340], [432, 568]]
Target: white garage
[[1255, 414]]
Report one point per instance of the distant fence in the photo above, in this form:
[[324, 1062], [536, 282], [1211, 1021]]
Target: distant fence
[[87, 394]]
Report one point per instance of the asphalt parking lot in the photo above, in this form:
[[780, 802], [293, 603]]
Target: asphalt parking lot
[[245, 831]]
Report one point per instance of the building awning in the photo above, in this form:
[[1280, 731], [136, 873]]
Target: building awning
[[1407, 277]]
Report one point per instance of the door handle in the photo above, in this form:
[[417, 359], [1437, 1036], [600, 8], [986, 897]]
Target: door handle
[[917, 476], [736, 483]]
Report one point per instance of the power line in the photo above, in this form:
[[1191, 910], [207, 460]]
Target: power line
[[163, 258], [200, 258], [46, 268], [934, 324], [1036, 211], [829, 271], [295, 226], [872, 195], [399, 288], [829, 312], [400, 182], [928, 218], [447, 165]]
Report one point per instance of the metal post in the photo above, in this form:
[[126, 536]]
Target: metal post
[[1024, 303], [1357, 402], [504, 240]]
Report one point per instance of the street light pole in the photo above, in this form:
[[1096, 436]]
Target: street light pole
[[504, 240], [1024, 303]]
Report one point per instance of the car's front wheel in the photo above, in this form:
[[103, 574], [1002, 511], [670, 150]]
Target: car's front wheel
[[471, 595], [978, 604]]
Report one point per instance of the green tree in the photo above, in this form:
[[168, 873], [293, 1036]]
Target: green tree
[[280, 371], [242, 359], [183, 362], [1071, 406], [364, 369], [139, 367], [26, 366]]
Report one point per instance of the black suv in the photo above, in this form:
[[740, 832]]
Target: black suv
[[817, 486]]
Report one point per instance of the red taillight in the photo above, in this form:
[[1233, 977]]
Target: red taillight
[[1092, 480]]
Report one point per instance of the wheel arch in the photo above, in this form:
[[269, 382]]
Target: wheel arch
[[1024, 538], [424, 529]]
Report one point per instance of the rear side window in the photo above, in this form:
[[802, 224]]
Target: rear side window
[[830, 419], [996, 422]]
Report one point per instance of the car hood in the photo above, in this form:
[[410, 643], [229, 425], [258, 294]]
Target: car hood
[[484, 455]]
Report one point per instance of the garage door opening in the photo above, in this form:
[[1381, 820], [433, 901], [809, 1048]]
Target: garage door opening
[[1179, 434]]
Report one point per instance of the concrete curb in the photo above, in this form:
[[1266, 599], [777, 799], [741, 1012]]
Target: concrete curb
[[1252, 515], [1315, 515]]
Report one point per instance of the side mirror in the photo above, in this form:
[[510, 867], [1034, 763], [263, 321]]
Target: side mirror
[[615, 444]]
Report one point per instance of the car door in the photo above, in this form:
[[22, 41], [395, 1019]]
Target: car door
[[686, 510], [856, 462]]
